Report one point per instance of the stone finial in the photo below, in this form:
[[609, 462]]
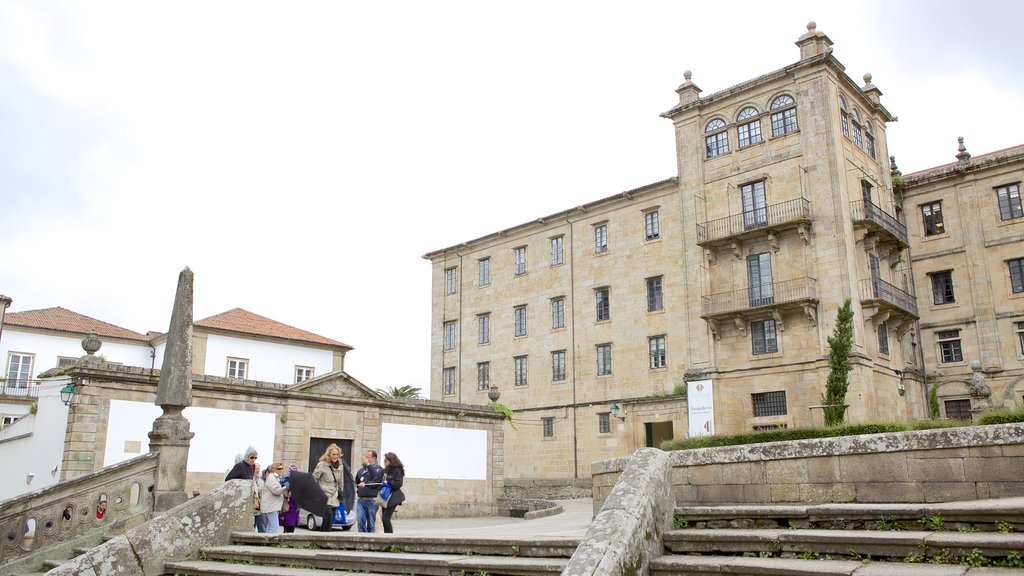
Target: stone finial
[[814, 42], [91, 344], [962, 155], [687, 74], [894, 170], [688, 91], [867, 79], [175, 387]]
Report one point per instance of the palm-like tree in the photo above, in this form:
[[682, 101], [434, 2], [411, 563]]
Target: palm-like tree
[[401, 392]]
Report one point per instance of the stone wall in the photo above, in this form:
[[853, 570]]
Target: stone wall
[[966, 463]]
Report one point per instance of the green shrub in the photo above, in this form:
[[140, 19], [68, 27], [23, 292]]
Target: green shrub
[[1001, 417], [790, 434]]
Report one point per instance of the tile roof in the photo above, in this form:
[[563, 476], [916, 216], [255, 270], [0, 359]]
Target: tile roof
[[245, 322], [1018, 149], [64, 320]]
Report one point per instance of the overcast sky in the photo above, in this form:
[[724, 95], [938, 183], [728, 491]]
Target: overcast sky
[[301, 157]]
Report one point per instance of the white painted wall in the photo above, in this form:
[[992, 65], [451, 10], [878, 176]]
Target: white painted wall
[[268, 361], [436, 452], [40, 453], [47, 347]]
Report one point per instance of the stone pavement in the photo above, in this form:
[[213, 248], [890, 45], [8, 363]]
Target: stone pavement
[[572, 522]]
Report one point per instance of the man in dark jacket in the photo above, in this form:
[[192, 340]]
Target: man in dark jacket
[[368, 482]]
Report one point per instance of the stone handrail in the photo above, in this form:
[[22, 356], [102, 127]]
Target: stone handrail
[[628, 530], [53, 521]]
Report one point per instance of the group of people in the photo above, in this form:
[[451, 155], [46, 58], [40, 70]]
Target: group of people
[[276, 507]]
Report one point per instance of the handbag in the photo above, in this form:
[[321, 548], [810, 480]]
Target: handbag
[[381, 500]]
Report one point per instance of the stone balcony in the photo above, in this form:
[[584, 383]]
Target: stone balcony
[[770, 220], [871, 217], [884, 302], [777, 297]]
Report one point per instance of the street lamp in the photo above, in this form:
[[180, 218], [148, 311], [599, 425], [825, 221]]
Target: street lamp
[[615, 412], [67, 393]]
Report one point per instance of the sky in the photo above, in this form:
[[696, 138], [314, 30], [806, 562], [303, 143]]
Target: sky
[[301, 157]]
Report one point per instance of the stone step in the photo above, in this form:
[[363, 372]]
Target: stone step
[[735, 566], [384, 562], [206, 567], [518, 547], [857, 543]]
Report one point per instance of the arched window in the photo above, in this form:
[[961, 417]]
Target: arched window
[[717, 139], [858, 137], [749, 129], [869, 140], [783, 115], [844, 116]]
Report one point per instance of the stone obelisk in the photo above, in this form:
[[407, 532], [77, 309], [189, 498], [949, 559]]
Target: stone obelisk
[[170, 436]]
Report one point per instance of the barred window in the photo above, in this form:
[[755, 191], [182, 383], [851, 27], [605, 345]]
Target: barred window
[[769, 403], [655, 299], [958, 409], [449, 381], [717, 140], [557, 251], [449, 281], [652, 228], [520, 261], [520, 370], [603, 304], [558, 313], [784, 115], [931, 214], [558, 365], [748, 132], [483, 375], [950, 349], [604, 423], [604, 359], [656, 347], [1009, 202], [484, 264], [549, 426], [519, 312]]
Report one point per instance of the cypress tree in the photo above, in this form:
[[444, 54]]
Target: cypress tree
[[839, 345]]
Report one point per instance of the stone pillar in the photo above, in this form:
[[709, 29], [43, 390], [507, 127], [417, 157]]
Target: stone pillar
[[170, 436], [981, 394]]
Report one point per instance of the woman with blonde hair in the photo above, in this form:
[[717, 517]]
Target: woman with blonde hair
[[330, 475]]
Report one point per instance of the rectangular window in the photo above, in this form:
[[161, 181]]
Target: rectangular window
[[958, 409], [656, 346], [1016, 275], [65, 361], [784, 122], [869, 144], [604, 359], [484, 265], [557, 251], [6, 421], [865, 194], [1020, 336], [558, 365], [652, 228], [883, 338], [449, 281], [1009, 202], [520, 261], [655, 300], [949, 346], [763, 338], [942, 287], [558, 313], [845, 119], [717, 144], [604, 423], [519, 313], [237, 367], [759, 280], [549, 426], [604, 311], [858, 138], [520, 370], [769, 403], [303, 373], [749, 133], [601, 238], [449, 335], [755, 213], [449, 381], [19, 369], [483, 325], [483, 375], [931, 214]]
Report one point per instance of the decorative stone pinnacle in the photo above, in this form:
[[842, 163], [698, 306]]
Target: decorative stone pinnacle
[[91, 344], [893, 169], [687, 75], [175, 387], [812, 26], [963, 156]]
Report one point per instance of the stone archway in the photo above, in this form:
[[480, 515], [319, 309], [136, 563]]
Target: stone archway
[[1013, 393]]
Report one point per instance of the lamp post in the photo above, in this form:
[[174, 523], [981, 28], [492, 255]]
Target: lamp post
[[615, 410], [67, 393]]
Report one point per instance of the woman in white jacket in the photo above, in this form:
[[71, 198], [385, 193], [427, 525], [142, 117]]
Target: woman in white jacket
[[272, 496]]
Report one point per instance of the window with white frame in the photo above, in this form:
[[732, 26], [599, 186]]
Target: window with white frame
[[717, 139], [763, 338], [604, 422], [449, 335], [950, 349], [557, 250], [652, 227], [449, 281], [237, 367], [558, 313], [931, 215], [484, 268], [519, 261], [303, 373], [604, 359], [449, 381], [549, 426], [19, 369], [1016, 267], [1009, 202], [520, 367], [483, 328], [655, 298], [883, 338], [6, 421], [783, 115], [601, 238], [604, 310], [558, 365], [656, 348], [483, 375], [942, 287], [769, 403], [519, 320], [748, 130]]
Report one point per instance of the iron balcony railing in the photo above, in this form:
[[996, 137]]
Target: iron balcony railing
[[19, 387], [758, 218], [878, 289], [864, 211], [763, 295]]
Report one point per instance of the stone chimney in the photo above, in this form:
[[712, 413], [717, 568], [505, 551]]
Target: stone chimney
[[688, 91], [813, 43]]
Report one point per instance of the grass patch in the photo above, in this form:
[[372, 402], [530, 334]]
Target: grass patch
[[1004, 416]]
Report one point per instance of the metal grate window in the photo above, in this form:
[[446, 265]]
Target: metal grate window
[[604, 423], [958, 409], [769, 403]]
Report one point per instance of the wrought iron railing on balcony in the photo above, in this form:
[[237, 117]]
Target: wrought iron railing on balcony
[[864, 211], [19, 387], [759, 218], [877, 289], [764, 295]]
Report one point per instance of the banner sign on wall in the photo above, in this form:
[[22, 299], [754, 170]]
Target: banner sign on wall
[[700, 402]]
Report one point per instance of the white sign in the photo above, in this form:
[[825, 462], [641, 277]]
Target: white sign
[[436, 452], [700, 408]]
